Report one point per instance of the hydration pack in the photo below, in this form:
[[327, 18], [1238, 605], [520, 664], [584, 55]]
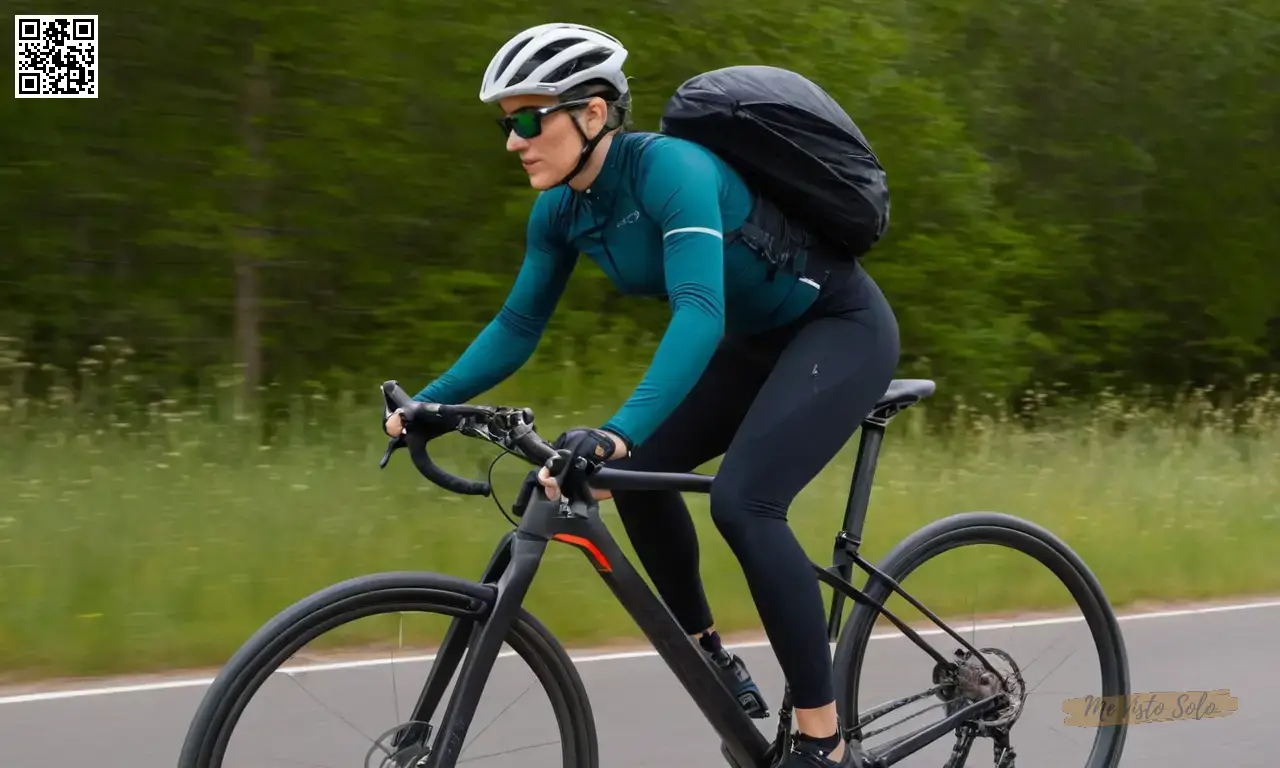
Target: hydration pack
[[795, 147]]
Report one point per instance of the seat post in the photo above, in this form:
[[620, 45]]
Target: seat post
[[849, 538], [864, 470]]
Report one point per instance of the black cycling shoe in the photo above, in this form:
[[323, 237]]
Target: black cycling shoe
[[738, 680], [808, 754]]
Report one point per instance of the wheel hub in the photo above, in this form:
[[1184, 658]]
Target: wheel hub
[[970, 681]]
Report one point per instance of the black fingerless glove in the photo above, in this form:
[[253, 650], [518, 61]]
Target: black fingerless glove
[[591, 444]]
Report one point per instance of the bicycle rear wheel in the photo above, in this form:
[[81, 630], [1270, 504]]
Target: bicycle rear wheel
[[856, 678], [389, 598]]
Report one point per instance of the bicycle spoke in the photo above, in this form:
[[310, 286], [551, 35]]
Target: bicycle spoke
[[1027, 667], [1064, 736], [874, 574], [510, 751], [395, 692], [291, 761], [973, 635], [1050, 672], [350, 724], [494, 720]]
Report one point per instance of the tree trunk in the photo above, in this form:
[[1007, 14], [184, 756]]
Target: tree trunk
[[253, 233]]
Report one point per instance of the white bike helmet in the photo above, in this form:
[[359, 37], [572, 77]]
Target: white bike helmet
[[549, 59]]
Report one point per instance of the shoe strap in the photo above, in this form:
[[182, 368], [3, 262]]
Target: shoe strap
[[813, 753]]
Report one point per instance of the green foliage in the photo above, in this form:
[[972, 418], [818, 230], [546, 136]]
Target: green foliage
[[1082, 192], [161, 537], [1086, 204]]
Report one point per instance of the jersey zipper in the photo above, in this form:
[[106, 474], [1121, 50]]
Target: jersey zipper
[[600, 230]]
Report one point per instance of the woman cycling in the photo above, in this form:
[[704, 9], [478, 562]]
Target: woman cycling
[[771, 369]]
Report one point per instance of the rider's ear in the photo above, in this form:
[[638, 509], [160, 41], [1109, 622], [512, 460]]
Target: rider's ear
[[598, 114]]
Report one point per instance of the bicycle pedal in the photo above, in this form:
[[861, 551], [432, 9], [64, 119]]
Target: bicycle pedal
[[736, 676], [753, 705]]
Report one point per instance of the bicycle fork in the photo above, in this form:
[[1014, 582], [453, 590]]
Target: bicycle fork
[[480, 645]]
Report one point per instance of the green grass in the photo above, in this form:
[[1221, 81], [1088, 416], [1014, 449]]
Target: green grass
[[164, 540]]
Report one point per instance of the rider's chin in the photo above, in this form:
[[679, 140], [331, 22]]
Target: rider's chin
[[539, 178]]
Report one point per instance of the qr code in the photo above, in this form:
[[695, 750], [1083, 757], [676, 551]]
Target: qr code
[[57, 57]]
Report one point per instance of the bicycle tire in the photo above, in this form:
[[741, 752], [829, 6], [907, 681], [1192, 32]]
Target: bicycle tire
[[1022, 535], [237, 682]]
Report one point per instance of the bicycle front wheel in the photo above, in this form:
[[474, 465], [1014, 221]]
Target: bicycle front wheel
[[371, 690], [1019, 596]]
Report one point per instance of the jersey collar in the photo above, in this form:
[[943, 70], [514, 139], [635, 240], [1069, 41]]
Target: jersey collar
[[606, 182]]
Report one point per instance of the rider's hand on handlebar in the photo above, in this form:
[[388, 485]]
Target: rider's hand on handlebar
[[397, 424], [595, 445]]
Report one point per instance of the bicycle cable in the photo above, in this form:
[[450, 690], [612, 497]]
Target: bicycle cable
[[494, 496]]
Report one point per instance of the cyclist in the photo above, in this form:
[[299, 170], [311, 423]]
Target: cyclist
[[771, 368]]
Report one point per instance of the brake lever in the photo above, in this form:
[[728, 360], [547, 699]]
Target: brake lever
[[575, 470], [389, 407], [392, 446]]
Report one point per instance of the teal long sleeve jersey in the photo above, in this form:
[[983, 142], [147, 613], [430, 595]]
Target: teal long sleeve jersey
[[654, 222]]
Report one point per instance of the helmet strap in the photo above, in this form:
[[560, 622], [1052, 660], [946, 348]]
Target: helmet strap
[[588, 147]]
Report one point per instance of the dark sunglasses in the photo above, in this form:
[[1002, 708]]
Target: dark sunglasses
[[527, 121]]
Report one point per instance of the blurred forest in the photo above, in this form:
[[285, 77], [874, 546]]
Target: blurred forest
[[1086, 195]]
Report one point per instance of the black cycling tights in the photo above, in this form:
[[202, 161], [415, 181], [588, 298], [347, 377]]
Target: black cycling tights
[[778, 406]]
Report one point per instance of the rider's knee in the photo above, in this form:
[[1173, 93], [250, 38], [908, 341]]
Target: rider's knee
[[736, 507]]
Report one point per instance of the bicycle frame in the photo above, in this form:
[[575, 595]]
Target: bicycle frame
[[515, 562]]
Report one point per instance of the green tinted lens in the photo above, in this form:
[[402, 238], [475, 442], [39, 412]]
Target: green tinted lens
[[526, 124]]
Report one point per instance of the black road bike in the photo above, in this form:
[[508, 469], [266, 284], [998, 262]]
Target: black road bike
[[983, 690]]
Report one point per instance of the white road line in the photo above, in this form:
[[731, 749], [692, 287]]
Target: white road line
[[620, 656]]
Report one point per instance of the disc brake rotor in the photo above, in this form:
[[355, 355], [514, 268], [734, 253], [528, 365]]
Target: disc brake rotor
[[973, 682], [411, 751]]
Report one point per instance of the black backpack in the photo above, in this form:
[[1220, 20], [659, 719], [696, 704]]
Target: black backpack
[[793, 144]]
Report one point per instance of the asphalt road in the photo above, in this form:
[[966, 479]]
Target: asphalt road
[[315, 718]]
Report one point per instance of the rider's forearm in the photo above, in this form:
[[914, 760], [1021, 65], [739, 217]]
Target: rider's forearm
[[502, 347], [690, 341], [509, 340]]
